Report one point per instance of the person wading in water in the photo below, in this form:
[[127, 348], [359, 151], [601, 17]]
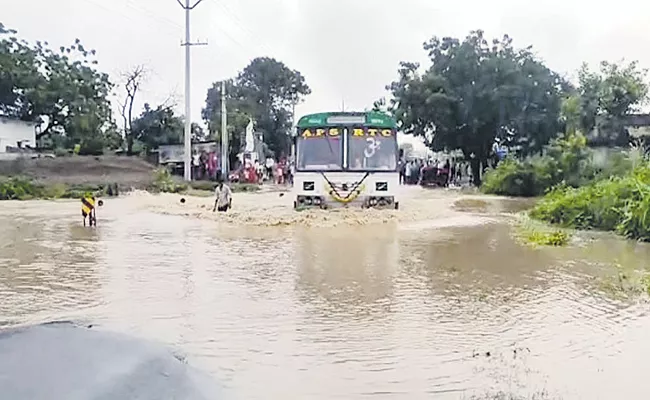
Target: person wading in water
[[223, 199]]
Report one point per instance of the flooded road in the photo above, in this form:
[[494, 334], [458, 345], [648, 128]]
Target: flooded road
[[433, 301]]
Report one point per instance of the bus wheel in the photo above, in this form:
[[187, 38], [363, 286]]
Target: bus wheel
[[397, 205]]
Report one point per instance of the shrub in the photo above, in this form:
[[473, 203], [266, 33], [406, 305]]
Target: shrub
[[619, 204], [17, 189], [567, 161], [513, 178], [552, 238], [92, 147], [164, 182]]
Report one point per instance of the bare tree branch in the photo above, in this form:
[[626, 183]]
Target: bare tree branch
[[172, 99], [133, 80]]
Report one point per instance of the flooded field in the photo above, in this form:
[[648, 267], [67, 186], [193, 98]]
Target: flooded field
[[433, 301]]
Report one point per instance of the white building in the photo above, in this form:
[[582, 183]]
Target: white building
[[15, 133]]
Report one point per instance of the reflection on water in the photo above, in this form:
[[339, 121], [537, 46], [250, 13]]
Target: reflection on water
[[347, 273], [436, 310], [45, 266]]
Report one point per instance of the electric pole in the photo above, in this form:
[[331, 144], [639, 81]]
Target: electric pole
[[224, 133], [293, 131], [188, 116]]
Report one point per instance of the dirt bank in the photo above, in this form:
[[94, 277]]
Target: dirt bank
[[125, 171]]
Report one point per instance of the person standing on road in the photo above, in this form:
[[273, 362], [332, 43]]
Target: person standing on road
[[223, 199], [196, 165]]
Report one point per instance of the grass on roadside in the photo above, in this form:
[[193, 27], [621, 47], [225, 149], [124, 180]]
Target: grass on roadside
[[538, 234], [21, 188]]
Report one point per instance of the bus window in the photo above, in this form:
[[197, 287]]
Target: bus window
[[320, 153], [372, 151]]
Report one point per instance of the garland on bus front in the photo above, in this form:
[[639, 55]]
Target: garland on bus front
[[349, 198]]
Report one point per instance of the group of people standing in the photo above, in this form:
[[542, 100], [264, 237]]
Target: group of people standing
[[205, 165], [449, 172], [280, 172]]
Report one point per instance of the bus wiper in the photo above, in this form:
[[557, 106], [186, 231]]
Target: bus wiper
[[329, 143]]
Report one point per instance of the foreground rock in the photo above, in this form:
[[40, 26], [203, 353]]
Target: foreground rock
[[66, 361]]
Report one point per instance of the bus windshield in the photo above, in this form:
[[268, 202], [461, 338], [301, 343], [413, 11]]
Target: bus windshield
[[372, 149], [320, 150]]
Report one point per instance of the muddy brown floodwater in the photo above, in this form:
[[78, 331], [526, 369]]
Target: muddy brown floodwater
[[432, 301]]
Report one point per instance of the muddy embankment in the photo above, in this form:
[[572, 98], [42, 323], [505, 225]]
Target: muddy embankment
[[127, 172]]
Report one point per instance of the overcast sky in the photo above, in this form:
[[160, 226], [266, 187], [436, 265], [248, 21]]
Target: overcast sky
[[348, 50]]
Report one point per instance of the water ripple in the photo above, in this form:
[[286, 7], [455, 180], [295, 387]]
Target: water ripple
[[383, 311]]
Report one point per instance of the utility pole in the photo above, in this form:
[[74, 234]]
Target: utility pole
[[293, 132], [224, 133], [188, 116]]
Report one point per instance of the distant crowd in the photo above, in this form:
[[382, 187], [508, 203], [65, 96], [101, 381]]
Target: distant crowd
[[433, 171], [205, 166]]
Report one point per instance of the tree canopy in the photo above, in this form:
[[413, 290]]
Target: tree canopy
[[604, 97], [157, 126], [476, 93], [60, 88], [265, 91]]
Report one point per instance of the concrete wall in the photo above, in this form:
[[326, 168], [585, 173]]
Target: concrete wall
[[13, 131]]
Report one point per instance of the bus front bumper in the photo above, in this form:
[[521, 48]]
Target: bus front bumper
[[308, 201]]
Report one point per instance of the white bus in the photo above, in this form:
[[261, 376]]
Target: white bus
[[346, 159]]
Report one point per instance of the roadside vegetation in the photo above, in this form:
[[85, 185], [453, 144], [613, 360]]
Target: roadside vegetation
[[20, 188], [565, 160], [535, 233], [165, 182], [619, 203], [27, 188], [577, 193]]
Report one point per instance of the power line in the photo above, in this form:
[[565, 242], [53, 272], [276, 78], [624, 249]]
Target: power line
[[158, 19], [255, 39], [128, 16]]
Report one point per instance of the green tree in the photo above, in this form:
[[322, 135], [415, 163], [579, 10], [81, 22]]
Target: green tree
[[265, 91], [158, 126], [61, 88], [571, 113], [476, 93], [239, 112], [607, 96], [198, 134]]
